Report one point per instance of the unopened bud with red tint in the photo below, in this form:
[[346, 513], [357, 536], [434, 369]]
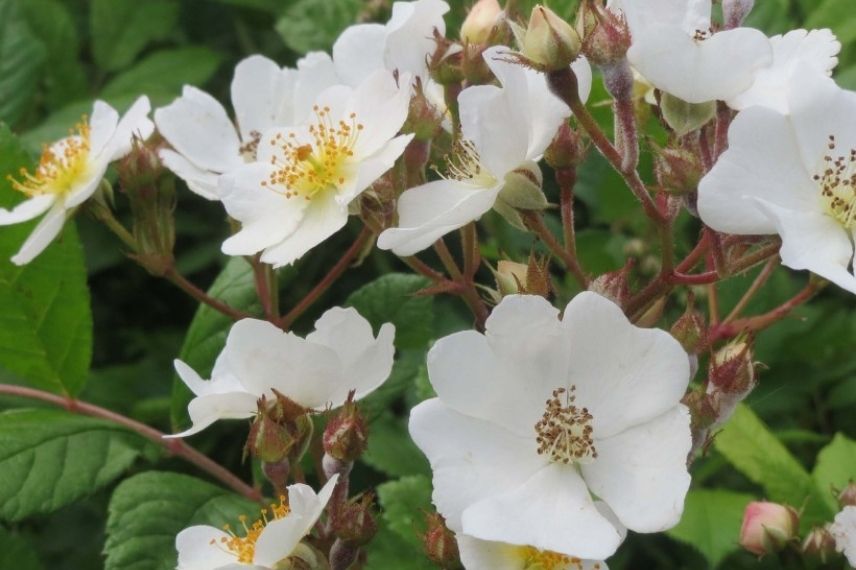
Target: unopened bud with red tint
[[768, 527], [689, 329], [847, 496], [550, 43], [481, 21], [567, 150], [270, 440], [735, 11], [614, 285], [731, 377], [355, 521], [440, 544], [346, 436], [605, 35], [819, 544], [678, 170]]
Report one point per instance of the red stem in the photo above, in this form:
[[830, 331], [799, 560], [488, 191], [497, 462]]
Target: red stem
[[176, 447], [182, 283], [328, 280]]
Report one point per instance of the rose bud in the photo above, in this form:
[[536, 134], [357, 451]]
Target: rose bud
[[346, 436], [768, 527], [550, 42], [440, 544], [480, 22], [819, 544], [847, 497]]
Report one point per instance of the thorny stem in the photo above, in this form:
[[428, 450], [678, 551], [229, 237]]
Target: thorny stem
[[265, 279], [618, 79], [180, 281], [566, 179], [176, 447], [171, 274], [564, 85], [423, 269], [753, 324], [470, 246], [723, 121], [756, 285], [466, 286], [337, 270], [535, 222]]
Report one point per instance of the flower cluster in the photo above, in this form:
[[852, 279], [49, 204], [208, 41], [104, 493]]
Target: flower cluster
[[552, 433]]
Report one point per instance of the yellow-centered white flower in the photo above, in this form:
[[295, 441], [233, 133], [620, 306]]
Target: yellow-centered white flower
[[70, 170], [538, 415], [206, 143], [298, 191], [793, 175], [271, 542], [341, 355], [676, 49], [504, 128]]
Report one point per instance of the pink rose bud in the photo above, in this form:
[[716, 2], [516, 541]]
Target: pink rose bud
[[480, 21], [768, 527]]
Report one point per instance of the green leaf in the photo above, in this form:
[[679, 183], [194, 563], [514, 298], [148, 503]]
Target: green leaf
[[837, 15], [17, 552], [54, 25], [387, 549], [166, 71], [121, 29], [711, 522], [148, 510], [835, 468], [391, 299], [45, 318], [748, 444], [206, 335], [22, 56], [405, 503], [309, 25], [50, 458], [391, 450]]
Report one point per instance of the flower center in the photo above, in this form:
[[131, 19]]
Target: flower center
[[464, 165], [61, 166], [244, 547], [534, 559], [314, 167], [564, 432], [837, 182]]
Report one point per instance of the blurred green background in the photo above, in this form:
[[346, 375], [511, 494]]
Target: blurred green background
[[57, 56]]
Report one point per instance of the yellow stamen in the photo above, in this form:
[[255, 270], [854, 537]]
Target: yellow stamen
[[244, 547], [534, 559], [60, 168], [317, 166], [464, 165]]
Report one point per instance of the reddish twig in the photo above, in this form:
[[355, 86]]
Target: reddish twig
[[176, 447], [344, 262]]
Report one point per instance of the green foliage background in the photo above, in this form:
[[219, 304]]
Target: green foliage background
[[61, 475]]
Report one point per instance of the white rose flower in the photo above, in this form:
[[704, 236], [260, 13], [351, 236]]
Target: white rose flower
[[298, 191], [485, 555], [70, 170], [674, 48], [539, 414], [816, 49], [207, 143], [341, 355], [504, 129], [792, 175], [405, 43], [264, 544], [844, 532]]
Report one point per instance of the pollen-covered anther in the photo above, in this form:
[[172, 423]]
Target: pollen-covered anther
[[700, 35], [60, 167], [464, 165], [837, 181], [564, 432], [244, 547], [546, 560], [307, 167]]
